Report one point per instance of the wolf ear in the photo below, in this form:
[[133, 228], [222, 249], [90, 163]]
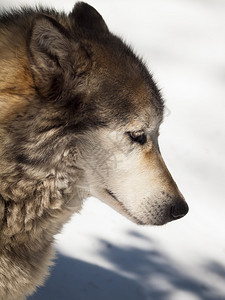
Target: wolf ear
[[55, 58], [88, 19]]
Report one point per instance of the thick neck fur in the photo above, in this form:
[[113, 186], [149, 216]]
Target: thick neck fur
[[34, 203]]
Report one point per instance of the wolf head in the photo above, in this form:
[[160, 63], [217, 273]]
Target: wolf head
[[97, 110]]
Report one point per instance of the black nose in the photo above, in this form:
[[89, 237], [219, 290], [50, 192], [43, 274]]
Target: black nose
[[179, 209]]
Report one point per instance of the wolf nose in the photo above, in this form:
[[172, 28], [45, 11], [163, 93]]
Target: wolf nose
[[179, 209]]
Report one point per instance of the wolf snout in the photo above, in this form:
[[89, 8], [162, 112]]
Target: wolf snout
[[179, 209]]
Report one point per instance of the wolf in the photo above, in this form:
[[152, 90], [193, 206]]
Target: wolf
[[79, 117]]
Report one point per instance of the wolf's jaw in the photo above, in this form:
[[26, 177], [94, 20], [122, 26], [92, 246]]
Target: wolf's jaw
[[124, 209]]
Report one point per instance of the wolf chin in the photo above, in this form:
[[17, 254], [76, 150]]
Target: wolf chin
[[79, 116]]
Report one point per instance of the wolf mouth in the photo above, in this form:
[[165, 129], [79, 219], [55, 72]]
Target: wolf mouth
[[113, 195], [124, 208]]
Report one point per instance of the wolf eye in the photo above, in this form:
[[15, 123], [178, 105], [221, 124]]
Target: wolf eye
[[138, 137]]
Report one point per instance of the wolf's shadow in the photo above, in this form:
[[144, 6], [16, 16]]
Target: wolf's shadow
[[79, 280], [140, 275]]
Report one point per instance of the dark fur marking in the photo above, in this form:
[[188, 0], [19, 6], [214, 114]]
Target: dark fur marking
[[22, 159]]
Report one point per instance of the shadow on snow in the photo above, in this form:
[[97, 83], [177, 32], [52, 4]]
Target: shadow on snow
[[141, 274]]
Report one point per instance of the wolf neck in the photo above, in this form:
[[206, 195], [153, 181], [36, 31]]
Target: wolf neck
[[33, 210]]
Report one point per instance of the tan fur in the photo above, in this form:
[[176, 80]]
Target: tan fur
[[14, 68]]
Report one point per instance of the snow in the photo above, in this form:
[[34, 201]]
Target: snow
[[101, 255]]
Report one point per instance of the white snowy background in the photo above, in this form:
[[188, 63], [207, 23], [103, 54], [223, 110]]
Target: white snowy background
[[103, 256]]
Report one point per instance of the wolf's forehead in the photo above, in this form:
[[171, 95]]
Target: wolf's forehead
[[131, 100], [147, 103], [124, 86], [144, 110], [134, 79], [145, 119]]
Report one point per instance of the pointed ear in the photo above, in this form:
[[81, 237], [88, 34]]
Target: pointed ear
[[55, 58], [88, 19]]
